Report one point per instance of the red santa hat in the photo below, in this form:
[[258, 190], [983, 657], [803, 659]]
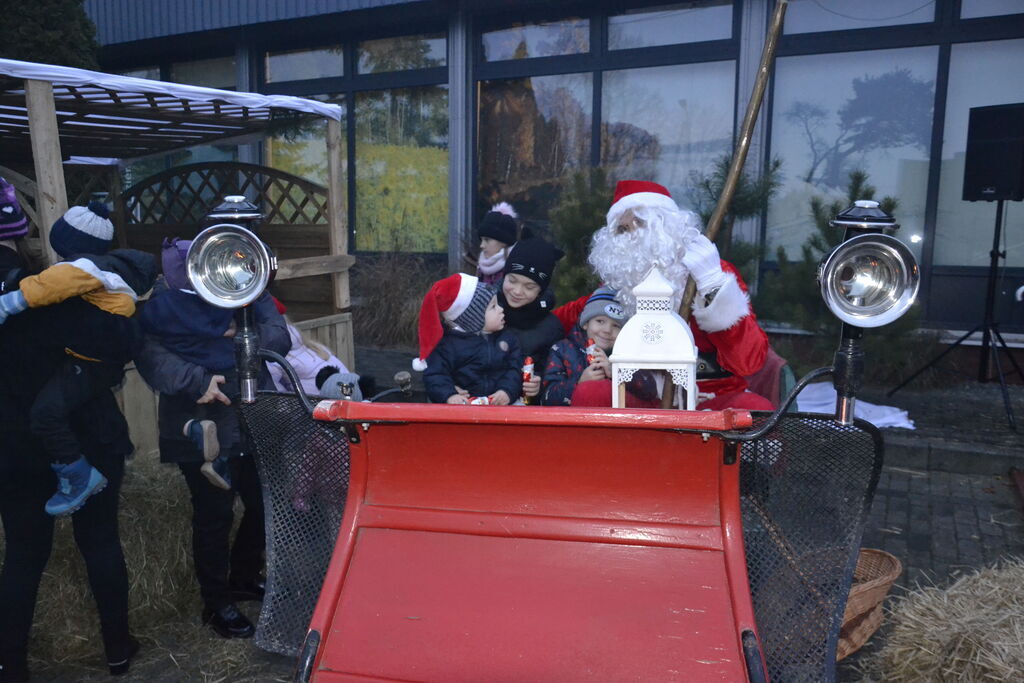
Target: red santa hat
[[630, 194], [450, 297]]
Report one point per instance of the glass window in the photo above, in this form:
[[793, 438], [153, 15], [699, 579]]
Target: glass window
[[210, 73], [533, 132], [299, 65], [970, 9], [685, 22], [805, 16], [522, 41], [963, 230], [666, 122], [150, 72], [833, 114], [302, 149], [402, 170], [405, 52]]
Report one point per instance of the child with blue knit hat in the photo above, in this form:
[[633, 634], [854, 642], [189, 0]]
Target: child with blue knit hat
[[583, 355], [86, 304]]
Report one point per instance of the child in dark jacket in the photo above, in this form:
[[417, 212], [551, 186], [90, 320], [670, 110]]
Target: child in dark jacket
[[93, 327], [470, 357], [568, 363]]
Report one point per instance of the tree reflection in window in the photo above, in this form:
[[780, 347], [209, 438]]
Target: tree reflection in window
[[402, 170], [533, 133], [523, 41], [403, 52]]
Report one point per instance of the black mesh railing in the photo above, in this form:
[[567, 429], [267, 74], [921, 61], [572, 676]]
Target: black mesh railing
[[304, 468], [806, 487]]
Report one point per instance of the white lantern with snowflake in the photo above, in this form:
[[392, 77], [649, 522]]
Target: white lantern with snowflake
[[658, 341]]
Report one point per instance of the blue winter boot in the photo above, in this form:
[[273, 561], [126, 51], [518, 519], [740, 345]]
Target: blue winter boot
[[75, 483]]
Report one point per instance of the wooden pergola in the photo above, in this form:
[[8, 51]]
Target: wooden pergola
[[49, 114]]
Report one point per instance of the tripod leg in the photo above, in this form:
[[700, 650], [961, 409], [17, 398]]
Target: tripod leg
[[933, 361], [1009, 353], [1002, 387]]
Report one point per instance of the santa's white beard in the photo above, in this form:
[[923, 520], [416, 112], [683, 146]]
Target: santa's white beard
[[622, 260]]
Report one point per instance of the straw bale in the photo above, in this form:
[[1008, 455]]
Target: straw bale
[[971, 631], [155, 519]]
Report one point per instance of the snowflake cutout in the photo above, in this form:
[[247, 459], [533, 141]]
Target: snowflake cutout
[[652, 333]]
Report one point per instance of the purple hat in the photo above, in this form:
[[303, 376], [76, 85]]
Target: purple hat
[[172, 258], [12, 219]]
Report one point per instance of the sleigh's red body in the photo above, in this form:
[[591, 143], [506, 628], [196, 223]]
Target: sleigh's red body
[[487, 544]]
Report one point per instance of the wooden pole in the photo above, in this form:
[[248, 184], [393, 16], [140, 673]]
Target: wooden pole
[[52, 197], [742, 143], [338, 233]]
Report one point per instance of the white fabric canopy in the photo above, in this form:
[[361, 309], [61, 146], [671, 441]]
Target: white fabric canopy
[[64, 75]]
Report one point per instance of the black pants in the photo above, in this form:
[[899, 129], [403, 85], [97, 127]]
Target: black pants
[[25, 484], [212, 518], [72, 386]]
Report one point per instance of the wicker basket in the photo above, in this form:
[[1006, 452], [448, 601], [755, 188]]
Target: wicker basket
[[874, 575]]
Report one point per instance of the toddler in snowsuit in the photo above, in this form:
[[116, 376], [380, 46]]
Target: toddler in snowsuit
[[472, 352], [92, 326]]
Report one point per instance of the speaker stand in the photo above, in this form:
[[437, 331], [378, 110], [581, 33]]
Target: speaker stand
[[989, 327]]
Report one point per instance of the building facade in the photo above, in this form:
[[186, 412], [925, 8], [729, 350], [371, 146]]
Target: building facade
[[454, 104]]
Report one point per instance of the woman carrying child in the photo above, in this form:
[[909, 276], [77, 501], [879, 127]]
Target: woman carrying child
[[188, 358], [26, 481], [469, 350]]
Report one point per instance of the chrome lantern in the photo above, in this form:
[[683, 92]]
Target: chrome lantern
[[872, 278], [869, 280], [229, 266]]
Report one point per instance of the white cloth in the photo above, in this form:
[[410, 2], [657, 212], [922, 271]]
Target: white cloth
[[820, 397]]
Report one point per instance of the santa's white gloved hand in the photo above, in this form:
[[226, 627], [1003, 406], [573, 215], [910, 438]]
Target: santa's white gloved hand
[[704, 264], [11, 303]]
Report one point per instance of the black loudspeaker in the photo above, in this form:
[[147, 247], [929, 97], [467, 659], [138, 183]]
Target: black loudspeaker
[[994, 163]]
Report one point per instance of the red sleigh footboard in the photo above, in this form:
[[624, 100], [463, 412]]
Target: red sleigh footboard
[[484, 544]]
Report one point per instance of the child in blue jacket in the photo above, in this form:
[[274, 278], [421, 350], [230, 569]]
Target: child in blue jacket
[[470, 356]]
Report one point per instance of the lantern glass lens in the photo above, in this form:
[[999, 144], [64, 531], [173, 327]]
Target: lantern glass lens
[[228, 266], [869, 280]]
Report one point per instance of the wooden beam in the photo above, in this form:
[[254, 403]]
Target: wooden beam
[[336, 229], [314, 265], [21, 182], [52, 198]]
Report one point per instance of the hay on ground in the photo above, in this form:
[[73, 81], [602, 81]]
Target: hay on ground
[[971, 631]]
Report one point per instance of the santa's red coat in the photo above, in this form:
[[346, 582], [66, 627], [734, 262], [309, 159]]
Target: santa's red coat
[[741, 348]]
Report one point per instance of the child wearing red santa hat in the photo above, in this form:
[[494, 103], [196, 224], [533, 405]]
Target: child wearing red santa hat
[[465, 353]]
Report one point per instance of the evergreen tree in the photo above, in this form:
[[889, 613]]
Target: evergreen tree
[[581, 210], [51, 32]]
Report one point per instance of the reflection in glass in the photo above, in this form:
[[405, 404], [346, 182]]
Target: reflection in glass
[[666, 122], [402, 170], [683, 22], [150, 72], [963, 230], [533, 132], [211, 73], [522, 41], [970, 9], [805, 16], [298, 65], [403, 52], [833, 114], [302, 149]]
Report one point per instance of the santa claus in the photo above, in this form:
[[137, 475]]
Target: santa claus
[[645, 227]]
